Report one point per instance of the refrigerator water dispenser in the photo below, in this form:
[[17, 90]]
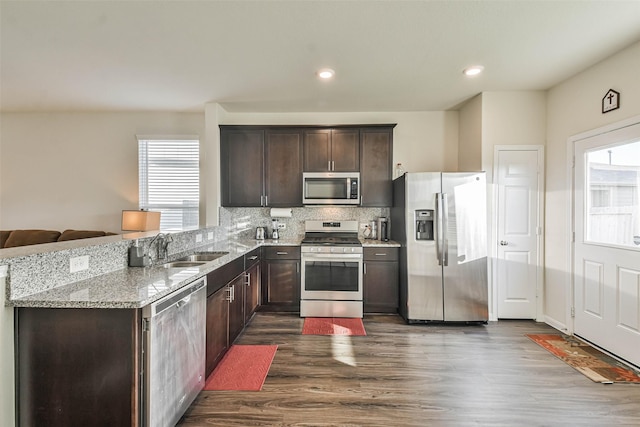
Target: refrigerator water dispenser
[[424, 224]]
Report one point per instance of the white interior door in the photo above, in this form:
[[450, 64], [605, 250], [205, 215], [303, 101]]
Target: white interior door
[[607, 241], [518, 193]]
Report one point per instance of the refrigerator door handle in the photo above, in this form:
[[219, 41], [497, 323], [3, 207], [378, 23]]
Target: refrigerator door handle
[[438, 230], [445, 226]]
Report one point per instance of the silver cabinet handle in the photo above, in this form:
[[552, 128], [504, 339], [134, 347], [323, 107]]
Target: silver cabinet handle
[[333, 165], [329, 165], [248, 277], [229, 288], [282, 253], [253, 257], [503, 243], [365, 267], [381, 254]]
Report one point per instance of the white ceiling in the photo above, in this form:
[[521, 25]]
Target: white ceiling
[[261, 56]]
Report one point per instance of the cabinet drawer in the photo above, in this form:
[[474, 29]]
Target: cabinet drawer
[[219, 277], [282, 252], [381, 254], [252, 258]]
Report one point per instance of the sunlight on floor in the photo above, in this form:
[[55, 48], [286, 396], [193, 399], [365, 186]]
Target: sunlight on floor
[[342, 349]]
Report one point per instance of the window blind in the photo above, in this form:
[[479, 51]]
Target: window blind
[[169, 180]]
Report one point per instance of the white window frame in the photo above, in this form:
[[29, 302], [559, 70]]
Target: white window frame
[[166, 202]]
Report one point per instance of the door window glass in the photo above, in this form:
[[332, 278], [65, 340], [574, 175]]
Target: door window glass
[[612, 196]]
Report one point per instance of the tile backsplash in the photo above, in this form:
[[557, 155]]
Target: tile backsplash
[[242, 222]]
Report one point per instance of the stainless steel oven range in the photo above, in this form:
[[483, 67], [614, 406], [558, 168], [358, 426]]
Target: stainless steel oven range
[[331, 270]]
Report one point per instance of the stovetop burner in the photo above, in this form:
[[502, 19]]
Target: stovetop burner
[[334, 233], [330, 240]]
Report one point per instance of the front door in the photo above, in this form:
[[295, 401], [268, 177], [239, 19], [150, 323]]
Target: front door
[[607, 241], [517, 179]]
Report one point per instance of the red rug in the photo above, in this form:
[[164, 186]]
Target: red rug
[[244, 367], [332, 326], [586, 359]]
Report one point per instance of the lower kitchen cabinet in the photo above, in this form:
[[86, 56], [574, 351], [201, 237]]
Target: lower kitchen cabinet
[[78, 367], [236, 307], [281, 279], [381, 280], [252, 289], [217, 341]]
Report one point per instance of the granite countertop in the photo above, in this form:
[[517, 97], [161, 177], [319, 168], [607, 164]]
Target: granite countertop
[[136, 287]]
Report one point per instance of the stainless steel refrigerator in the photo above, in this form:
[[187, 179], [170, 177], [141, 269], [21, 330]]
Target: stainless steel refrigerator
[[440, 220]]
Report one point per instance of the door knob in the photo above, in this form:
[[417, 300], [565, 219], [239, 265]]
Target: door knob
[[503, 243]]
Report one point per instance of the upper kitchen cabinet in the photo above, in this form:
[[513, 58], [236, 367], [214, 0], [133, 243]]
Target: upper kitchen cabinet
[[260, 166], [283, 167], [376, 166], [332, 150], [242, 167]]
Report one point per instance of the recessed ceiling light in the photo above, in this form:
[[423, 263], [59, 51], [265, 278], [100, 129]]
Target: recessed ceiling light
[[473, 70], [326, 73]]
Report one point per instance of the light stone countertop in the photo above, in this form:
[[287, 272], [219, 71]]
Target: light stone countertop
[[136, 287]]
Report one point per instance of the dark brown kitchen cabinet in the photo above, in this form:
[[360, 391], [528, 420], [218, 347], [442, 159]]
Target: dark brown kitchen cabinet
[[242, 167], [281, 279], [77, 366], [252, 289], [217, 341], [260, 167], [331, 150], [283, 168], [381, 280], [376, 166], [219, 311], [236, 307]]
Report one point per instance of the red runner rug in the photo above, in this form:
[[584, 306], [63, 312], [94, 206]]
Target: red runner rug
[[586, 359], [332, 326], [244, 367]]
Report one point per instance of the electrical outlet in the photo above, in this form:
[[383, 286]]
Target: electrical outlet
[[79, 263], [198, 238], [282, 226], [210, 235]]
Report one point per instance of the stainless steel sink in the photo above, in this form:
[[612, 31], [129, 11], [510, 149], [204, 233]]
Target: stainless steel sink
[[183, 264], [204, 256]]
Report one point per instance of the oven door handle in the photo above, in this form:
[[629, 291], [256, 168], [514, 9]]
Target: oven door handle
[[306, 256]]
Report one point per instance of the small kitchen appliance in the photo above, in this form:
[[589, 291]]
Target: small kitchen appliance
[[260, 233], [331, 188], [383, 229], [275, 234]]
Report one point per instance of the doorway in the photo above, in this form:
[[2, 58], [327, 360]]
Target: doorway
[[606, 248], [518, 180]]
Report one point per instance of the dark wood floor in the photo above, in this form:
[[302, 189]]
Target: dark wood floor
[[415, 375]]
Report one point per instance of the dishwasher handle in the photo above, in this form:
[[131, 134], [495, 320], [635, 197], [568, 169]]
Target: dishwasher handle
[[177, 298]]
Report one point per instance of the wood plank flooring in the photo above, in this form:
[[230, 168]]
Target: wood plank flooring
[[415, 375]]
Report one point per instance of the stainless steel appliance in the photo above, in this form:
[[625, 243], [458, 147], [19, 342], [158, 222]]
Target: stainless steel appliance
[[440, 220], [173, 353], [260, 233], [331, 188], [331, 256], [383, 229]]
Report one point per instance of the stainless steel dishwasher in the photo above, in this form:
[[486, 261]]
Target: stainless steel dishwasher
[[174, 338]]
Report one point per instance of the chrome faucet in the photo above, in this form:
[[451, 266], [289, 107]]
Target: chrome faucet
[[163, 244]]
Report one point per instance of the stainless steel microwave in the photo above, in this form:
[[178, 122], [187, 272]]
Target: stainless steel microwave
[[331, 188]]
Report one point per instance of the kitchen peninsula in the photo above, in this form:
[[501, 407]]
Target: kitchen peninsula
[[105, 313]]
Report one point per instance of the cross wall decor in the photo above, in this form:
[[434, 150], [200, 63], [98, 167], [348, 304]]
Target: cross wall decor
[[611, 101]]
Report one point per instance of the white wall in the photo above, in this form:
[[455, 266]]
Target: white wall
[[76, 170], [470, 143], [573, 107]]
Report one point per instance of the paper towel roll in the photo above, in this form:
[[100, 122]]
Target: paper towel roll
[[280, 212]]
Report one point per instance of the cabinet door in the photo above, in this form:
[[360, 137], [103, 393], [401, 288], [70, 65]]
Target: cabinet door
[[283, 168], [217, 327], [317, 150], [380, 287], [78, 367], [241, 167], [376, 152], [236, 308], [282, 285], [251, 292], [345, 150]]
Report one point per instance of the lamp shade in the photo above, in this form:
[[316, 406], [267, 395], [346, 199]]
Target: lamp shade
[[140, 220]]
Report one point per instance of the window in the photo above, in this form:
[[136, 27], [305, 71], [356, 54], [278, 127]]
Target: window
[[169, 180], [612, 179]]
